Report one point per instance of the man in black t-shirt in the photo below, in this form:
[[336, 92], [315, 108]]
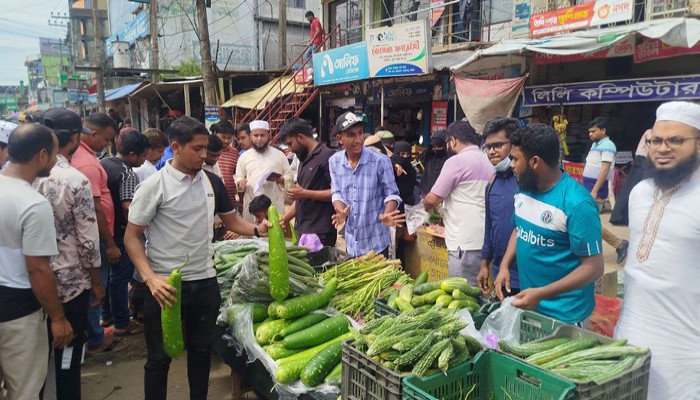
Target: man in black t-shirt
[[122, 182]]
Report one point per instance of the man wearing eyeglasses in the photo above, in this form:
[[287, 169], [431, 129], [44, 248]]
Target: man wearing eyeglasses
[[596, 174], [660, 307]]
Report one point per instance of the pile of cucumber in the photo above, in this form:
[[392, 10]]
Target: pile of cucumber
[[580, 360], [450, 293], [418, 342]]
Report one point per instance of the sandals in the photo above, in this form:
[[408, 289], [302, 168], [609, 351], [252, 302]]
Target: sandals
[[131, 329], [114, 346]]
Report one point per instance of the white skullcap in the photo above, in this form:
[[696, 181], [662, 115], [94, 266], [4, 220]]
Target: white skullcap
[[680, 111], [260, 125], [5, 129]]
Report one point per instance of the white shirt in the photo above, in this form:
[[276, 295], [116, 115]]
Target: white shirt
[[214, 169], [179, 212], [253, 166], [145, 170], [661, 307]]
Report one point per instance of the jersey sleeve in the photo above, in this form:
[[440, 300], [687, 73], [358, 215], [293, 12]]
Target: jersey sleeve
[[585, 229]]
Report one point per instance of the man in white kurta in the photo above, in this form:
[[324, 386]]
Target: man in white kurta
[[255, 164], [661, 306]]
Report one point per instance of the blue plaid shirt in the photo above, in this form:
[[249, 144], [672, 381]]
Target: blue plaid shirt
[[366, 190]]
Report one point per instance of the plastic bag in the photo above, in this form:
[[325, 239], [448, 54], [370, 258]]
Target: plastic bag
[[605, 315], [311, 242], [416, 216], [502, 324]]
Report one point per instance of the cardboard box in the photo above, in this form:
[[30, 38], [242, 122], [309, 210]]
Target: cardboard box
[[428, 253]]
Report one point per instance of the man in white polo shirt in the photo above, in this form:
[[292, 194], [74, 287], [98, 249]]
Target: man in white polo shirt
[[175, 208], [461, 187]]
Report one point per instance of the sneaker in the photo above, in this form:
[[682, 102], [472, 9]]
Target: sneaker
[[622, 251], [133, 328]]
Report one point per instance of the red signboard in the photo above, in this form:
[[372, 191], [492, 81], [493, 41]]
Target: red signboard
[[654, 49], [575, 170], [581, 16], [439, 119]]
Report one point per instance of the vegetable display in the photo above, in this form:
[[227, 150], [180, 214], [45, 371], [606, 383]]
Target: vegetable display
[[450, 293], [171, 317], [417, 343], [279, 263]]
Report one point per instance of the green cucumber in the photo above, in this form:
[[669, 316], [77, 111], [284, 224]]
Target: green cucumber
[[391, 301], [289, 369], [406, 292], [428, 298], [556, 353], [596, 353], [321, 365], [403, 305], [319, 333], [277, 351], [333, 377], [443, 300], [421, 278], [259, 313], [304, 304], [616, 369], [279, 263], [267, 331], [426, 287], [530, 349], [171, 317], [460, 304], [450, 284], [302, 323]]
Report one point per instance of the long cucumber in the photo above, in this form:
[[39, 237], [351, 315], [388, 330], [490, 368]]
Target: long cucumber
[[318, 333], [171, 317], [279, 264], [304, 304]]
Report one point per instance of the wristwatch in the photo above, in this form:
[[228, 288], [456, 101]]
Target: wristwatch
[[255, 232]]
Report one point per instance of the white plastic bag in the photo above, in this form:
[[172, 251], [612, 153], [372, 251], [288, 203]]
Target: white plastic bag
[[502, 324], [416, 216]]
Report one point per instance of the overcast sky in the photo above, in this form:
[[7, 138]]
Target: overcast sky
[[21, 26]]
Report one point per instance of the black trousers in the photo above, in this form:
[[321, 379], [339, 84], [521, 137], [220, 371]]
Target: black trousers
[[200, 307], [329, 238], [68, 370]]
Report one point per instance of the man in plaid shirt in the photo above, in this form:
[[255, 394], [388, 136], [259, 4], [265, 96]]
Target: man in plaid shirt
[[364, 191]]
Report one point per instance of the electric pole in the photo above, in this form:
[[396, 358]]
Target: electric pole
[[155, 77], [97, 58], [208, 78], [282, 10]]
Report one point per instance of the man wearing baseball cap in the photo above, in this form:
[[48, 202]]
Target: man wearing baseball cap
[[5, 129], [364, 192]]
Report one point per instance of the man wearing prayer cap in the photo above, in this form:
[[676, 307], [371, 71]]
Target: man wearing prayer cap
[[5, 129], [661, 306], [262, 170]]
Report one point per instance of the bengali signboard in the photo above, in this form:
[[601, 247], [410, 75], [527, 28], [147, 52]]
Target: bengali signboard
[[522, 10], [439, 119], [343, 64], [581, 16], [655, 49], [399, 50], [622, 49], [622, 91]]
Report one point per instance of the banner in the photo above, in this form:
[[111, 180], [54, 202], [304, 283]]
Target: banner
[[581, 16], [575, 170], [654, 49], [439, 119], [622, 49], [398, 50], [438, 9], [343, 64], [522, 10], [406, 90], [622, 91], [482, 100]]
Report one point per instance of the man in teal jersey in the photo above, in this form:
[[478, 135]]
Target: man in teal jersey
[[557, 236]]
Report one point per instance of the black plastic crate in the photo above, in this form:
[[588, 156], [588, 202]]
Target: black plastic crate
[[366, 379], [326, 257], [381, 308]]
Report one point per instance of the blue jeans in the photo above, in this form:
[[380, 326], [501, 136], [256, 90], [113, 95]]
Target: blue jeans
[[119, 276], [95, 331], [311, 50]]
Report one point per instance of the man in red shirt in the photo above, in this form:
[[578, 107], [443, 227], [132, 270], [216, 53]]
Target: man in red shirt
[[229, 157], [316, 34]]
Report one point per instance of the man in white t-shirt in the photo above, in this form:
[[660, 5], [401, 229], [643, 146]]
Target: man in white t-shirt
[[27, 283], [461, 187]]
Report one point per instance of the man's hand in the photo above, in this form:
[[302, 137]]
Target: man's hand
[[399, 170], [242, 185], [483, 278], [113, 254], [594, 193], [340, 216], [528, 299], [502, 278], [230, 235], [394, 218], [296, 193], [161, 291], [62, 333], [98, 294], [263, 227]]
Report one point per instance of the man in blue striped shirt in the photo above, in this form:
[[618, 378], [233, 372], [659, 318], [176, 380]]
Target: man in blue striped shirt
[[557, 237], [364, 191]]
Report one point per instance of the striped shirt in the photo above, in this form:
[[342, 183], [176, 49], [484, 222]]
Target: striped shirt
[[227, 166], [365, 189], [555, 228]]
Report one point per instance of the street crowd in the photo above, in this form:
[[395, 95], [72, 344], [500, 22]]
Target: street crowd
[[96, 214]]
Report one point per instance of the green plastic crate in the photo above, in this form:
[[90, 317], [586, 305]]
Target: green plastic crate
[[632, 384], [534, 326], [489, 376]]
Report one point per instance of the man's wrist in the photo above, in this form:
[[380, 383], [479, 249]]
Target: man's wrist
[[256, 233]]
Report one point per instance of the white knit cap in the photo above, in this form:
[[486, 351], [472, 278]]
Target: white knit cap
[[5, 129], [680, 111], [260, 125]]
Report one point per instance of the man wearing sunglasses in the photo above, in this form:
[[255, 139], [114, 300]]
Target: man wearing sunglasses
[[662, 271]]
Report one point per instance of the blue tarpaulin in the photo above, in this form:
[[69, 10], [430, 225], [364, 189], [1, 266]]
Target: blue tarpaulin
[[116, 93]]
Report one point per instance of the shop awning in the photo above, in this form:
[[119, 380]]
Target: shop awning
[[448, 60], [116, 93], [261, 96], [165, 87], [677, 32]]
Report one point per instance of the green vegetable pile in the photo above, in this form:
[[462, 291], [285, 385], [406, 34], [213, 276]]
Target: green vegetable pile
[[361, 280], [451, 293], [421, 343], [580, 360]]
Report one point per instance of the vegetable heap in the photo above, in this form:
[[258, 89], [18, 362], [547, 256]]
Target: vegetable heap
[[361, 280], [418, 343], [451, 293], [582, 359]]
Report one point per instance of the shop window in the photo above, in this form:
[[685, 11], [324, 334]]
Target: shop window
[[347, 14], [297, 4]]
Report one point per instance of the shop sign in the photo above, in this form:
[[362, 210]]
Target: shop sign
[[438, 7], [139, 27], [622, 49], [439, 119], [654, 49], [575, 170], [75, 95], [581, 16], [522, 9], [63, 78], [399, 50], [211, 114], [343, 64], [409, 90], [622, 91]]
